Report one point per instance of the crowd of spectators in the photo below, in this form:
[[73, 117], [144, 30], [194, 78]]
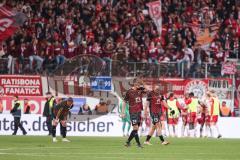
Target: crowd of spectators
[[121, 30]]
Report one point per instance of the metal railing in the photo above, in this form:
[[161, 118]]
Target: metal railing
[[95, 66]]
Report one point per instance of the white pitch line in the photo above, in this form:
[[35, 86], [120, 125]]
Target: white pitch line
[[116, 153], [96, 157]]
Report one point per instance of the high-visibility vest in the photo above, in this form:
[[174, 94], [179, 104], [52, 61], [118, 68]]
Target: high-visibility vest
[[215, 111], [51, 102], [173, 105], [192, 107], [18, 112]]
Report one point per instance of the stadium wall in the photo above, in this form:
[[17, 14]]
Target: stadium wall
[[108, 125]]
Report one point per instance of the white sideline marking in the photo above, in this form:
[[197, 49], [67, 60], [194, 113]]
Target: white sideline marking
[[92, 157]]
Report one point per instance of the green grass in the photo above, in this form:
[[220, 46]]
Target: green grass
[[102, 148]]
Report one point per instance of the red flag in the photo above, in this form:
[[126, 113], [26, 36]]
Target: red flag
[[9, 22]]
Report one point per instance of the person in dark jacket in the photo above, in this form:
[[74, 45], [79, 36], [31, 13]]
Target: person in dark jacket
[[27, 106], [16, 112], [48, 110]]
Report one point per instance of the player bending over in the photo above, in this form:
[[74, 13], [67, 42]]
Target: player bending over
[[134, 98], [154, 100], [60, 113]]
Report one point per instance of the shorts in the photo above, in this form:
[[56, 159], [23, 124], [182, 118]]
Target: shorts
[[61, 118], [208, 119], [202, 119], [163, 117], [193, 116], [155, 118], [126, 119], [135, 118], [173, 121], [185, 118], [214, 119]]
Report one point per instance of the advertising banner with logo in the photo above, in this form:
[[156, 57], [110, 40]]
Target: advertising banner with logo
[[106, 125], [20, 85], [37, 103], [222, 86], [101, 83], [35, 125]]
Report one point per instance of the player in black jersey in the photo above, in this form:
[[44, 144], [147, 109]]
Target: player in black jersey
[[60, 113]]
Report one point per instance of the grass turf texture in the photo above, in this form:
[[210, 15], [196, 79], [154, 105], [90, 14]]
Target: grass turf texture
[[94, 148]]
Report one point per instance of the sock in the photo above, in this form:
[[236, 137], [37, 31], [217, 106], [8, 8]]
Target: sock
[[137, 138], [64, 132], [148, 138], [123, 127], [54, 131], [211, 131], [195, 131], [207, 131], [183, 130], [217, 129], [129, 127], [161, 138], [163, 132], [201, 130], [175, 129], [131, 136]]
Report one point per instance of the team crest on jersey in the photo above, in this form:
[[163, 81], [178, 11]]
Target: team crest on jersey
[[197, 87]]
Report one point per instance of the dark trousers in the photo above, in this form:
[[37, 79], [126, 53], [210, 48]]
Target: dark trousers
[[49, 124], [17, 123]]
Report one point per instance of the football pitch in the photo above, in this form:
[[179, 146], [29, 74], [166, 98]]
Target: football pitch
[[103, 148]]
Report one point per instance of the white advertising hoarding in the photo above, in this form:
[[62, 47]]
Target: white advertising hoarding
[[108, 125], [35, 125]]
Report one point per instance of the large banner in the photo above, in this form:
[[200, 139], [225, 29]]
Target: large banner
[[35, 125], [20, 85], [37, 103], [221, 86], [108, 125]]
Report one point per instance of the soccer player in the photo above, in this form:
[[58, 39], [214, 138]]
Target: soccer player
[[134, 98], [193, 105], [173, 114], [154, 100], [125, 120], [202, 120], [184, 114], [60, 113], [214, 113]]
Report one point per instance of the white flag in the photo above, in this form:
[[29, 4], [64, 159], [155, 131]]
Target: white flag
[[155, 11]]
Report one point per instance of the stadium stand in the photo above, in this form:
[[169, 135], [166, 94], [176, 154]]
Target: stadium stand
[[123, 32]]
